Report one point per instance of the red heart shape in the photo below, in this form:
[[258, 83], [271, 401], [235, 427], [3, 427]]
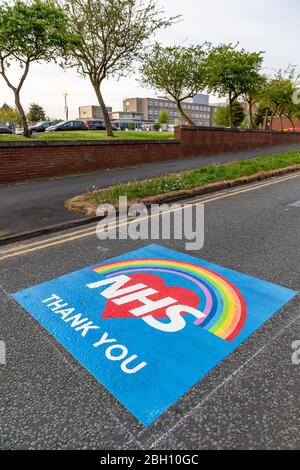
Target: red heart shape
[[182, 295]]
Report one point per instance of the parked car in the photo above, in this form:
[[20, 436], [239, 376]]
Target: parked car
[[97, 125], [5, 130], [68, 126], [41, 126], [19, 131]]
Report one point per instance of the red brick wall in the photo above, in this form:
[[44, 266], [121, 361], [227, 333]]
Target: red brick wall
[[24, 161], [209, 141], [284, 122], [21, 161]]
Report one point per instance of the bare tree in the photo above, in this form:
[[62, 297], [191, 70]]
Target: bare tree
[[112, 34]]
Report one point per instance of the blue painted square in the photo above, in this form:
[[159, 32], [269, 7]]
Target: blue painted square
[[149, 347]]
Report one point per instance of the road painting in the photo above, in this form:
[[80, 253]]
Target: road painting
[[151, 323]]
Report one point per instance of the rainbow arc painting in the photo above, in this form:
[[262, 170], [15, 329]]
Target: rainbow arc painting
[[225, 308]]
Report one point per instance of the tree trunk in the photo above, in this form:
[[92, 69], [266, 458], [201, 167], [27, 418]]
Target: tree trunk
[[101, 102], [21, 113], [17, 91], [230, 111], [281, 123], [251, 115], [271, 122], [292, 122], [183, 114], [266, 120]]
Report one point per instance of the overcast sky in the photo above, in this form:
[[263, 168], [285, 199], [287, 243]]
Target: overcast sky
[[268, 25]]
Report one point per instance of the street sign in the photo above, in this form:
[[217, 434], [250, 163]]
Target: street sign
[[152, 323]]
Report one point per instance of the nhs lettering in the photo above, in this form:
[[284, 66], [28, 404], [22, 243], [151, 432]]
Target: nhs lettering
[[128, 296], [136, 289]]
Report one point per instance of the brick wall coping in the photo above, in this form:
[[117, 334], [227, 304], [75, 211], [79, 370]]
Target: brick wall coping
[[227, 129], [78, 143]]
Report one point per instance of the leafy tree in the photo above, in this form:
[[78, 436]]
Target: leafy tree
[[239, 114], [10, 115], [112, 35], [36, 113], [288, 80], [164, 117], [222, 115], [272, 98], [131, 126], [252, 95], [278, 95], [232, 73], [260, 115], [178, 72], [30, 31]]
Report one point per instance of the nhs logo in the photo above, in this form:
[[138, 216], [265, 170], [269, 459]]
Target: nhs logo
[[152, 323]]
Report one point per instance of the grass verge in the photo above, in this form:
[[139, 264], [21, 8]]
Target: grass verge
[[89, 135], [177, 184]]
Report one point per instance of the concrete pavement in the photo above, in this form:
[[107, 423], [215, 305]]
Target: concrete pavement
[[250, 400], [26, 207]]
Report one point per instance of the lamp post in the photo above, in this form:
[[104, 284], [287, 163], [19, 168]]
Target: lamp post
[[66, 106]]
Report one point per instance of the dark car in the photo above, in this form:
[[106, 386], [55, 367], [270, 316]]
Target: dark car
[[5, 130], [68, 126], [41, 126], [97, 125]]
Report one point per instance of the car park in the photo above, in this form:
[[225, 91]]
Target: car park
[[68, 126]]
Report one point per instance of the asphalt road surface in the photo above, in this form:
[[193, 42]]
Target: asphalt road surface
[[30, 206], [250, 400]]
